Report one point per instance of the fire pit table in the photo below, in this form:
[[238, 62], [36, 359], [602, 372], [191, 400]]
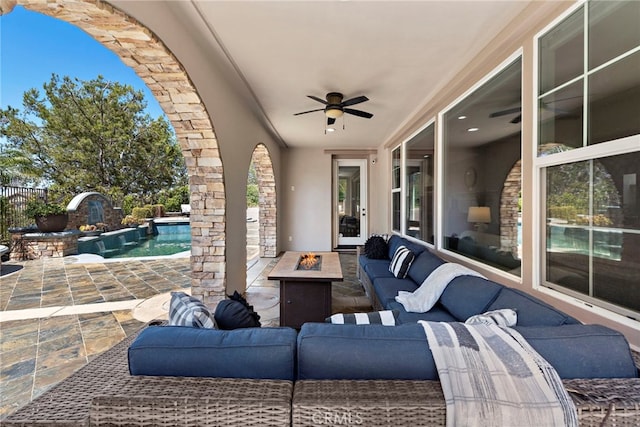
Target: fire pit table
[[305, 286]]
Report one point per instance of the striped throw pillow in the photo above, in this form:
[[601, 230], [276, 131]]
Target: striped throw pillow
[[401, 262], [504, 317], [386, 318], [185, 310]]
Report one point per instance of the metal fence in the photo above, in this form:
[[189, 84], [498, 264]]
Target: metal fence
[[13, 202]]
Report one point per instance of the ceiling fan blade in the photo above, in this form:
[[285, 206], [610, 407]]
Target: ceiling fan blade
[[315, 98], [330, 121], [505, 112], [358, 113], [517, 119], [310, 111], [354, 101]]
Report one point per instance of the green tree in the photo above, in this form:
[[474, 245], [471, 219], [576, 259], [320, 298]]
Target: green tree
[[92, 136]]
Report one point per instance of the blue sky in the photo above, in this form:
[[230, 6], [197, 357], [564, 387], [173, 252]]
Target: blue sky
[[33, 46]]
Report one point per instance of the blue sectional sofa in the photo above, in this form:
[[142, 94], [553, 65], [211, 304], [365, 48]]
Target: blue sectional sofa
[[360, 352], [464, 297]]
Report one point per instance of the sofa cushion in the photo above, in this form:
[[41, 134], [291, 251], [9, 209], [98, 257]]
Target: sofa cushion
[[360, 352], [185, 310], [436, 314], [423, 265], [531, 311], [466, 296], [582, 351], [377, 270], [261, 353], [364, 262], [401, 262], [396, 241], [383, 317], [387, 288]]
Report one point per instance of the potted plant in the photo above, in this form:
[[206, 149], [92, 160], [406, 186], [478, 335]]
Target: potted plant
[[130, 221], [49, 217]]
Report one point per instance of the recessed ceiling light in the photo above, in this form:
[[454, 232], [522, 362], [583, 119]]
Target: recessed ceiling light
[[473, 129], [462, 117], [331, 130]]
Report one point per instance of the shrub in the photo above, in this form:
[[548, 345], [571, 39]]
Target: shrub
[[37, 208], [142, 213], [157, 210]]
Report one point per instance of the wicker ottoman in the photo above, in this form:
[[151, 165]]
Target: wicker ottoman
[[169, 401], [368, 403], [606, 402], [103, 393]]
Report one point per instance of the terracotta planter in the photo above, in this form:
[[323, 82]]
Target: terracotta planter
[[52, 223]]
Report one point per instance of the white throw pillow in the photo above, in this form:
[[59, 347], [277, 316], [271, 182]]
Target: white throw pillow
[[504, 317], [185, 310], [385, 317]]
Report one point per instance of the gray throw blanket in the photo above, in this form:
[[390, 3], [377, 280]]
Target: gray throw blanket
[[491, 376]]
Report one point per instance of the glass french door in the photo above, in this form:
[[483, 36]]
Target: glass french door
[[350, 201]]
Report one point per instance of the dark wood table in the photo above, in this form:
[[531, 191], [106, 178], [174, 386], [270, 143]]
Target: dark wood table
[[305, 295]]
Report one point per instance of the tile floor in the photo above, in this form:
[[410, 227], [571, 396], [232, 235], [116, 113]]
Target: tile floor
[[57, 314]]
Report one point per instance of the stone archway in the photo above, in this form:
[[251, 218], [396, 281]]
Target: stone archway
[[509, 209], [152, 61], [261, 160]]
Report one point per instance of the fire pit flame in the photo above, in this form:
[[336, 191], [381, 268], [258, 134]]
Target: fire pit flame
[[308, 260]]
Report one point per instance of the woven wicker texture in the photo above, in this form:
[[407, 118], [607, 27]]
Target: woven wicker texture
[[128, 400], [369, 403], [606, 402], [600, 402], [169, 401]]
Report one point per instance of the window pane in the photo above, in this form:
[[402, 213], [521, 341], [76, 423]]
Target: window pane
[[560, 119], [614, 100], [395, 205], [616, 280], [482, 140], [593, 228], [419, 185], [562, 52], [614, 28], [395, 168]]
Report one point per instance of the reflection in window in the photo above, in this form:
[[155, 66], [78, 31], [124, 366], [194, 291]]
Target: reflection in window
[[419, 185], [593, 228], [482, 177]]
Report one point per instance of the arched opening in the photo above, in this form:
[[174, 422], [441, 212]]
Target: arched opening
[[152, 61], [267, 210]]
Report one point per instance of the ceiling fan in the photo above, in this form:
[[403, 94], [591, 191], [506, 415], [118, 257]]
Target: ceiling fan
[[335, 106], [544, 105]]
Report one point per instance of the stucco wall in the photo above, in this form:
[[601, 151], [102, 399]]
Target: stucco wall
[[306, 200], [238, 127]]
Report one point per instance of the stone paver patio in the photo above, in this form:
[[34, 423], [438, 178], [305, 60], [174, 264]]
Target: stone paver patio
[[58, 314]]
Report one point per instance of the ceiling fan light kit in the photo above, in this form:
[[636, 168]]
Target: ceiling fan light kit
[[335, 107]]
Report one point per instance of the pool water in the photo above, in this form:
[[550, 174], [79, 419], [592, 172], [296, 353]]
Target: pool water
[[167, 238], [157, 246]]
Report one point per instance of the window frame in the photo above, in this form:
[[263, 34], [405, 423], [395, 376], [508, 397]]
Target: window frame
[[404, 184], [440, 172], [586, 152]]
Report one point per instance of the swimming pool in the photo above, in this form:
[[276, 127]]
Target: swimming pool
[[166, 238]]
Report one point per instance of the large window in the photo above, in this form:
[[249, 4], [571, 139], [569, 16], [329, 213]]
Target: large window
[[589, 154], [395, 189], [482, 177], [419, 184]]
